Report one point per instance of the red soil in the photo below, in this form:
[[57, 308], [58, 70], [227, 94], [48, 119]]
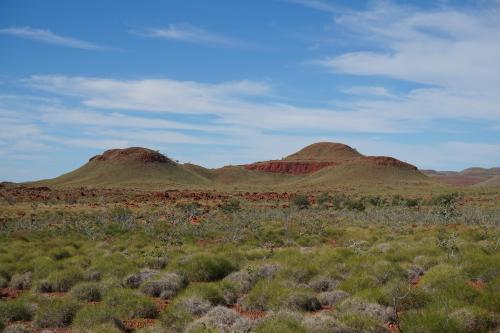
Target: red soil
[[9, 293], [476, 284], [248, 314], [139, 323]]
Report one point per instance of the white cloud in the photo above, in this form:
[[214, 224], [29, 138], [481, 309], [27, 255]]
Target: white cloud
[[48, 36], [373, 91], [443, 47], [320, 5], [232, 103], [189, 33]]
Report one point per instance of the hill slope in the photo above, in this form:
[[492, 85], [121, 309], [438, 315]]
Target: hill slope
[[129, 167]]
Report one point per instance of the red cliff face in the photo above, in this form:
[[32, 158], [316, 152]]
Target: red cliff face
[[293, 168], [307, 167]]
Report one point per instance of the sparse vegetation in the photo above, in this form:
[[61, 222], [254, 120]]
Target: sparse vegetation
[[375, 260]]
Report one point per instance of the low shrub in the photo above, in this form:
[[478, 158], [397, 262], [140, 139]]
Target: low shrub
[[204, 267], [91, 316], [21, 281], [16, 310], [324, 323], [301, 201], [53, 313], [165, 287], [281, 322], [220, 319], [129, 304], [87, 292], [136, 279], [61, 281], [330, 298]]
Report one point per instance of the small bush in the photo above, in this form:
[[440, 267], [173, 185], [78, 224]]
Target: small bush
[[357, 306], [91, 316], [324, 323], [166, 287], [59, 254], [87, 292], [230, 206], [61, 281], [54, 313], [15, 310], [281, 322], [129, 304], [304, 301], [301, 201], [135, 280], [204, 267], [196, 306], [329, 298], [21, 281], [220, 319], [176, 318], [323, 283]]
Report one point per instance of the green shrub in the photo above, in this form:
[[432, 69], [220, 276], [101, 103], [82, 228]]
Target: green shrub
[[15, 310], [165, 287], [282, 322], [87, 292], [204, 267], [448, 282], [129, 304], [94, 315], [61, 281], [21, 281], [176, 318], [431, 320], [230, 206], [301, 201], [54, 313], [323, 199], [59, 253]]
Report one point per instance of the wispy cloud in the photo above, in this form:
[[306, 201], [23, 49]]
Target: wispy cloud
[[368, 90], [320, 5], [47, 36], [191, 34]]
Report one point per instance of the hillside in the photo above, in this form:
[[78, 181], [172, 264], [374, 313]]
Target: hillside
[[467, 177], [319, 165], [369, 171], [129, 167], [309, 159], [491, 182]]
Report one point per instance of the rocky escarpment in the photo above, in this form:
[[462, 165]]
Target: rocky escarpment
[[136, 154], [290, 167], [323, 155]]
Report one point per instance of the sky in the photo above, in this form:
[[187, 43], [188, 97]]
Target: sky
[[230, 82]]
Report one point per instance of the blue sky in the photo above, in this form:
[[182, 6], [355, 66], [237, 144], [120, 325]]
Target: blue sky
[[230, 82]]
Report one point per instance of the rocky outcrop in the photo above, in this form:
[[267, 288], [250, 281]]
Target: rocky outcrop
[[138, 154], [293, 168]]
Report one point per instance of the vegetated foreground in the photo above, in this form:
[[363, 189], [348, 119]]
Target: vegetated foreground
[[88, 260]]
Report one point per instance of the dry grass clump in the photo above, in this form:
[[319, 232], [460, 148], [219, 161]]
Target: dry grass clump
[[220, 319], [166, 286], [87, 292], [53, 313], [21, 281]]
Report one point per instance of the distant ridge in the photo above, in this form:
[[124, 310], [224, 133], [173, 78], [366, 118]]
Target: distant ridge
[[317, 165], [471, 176]]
